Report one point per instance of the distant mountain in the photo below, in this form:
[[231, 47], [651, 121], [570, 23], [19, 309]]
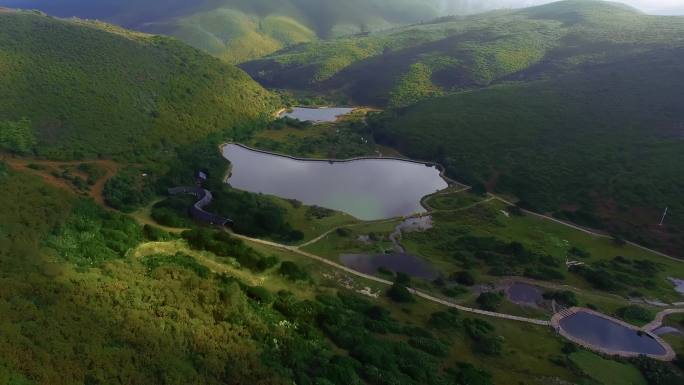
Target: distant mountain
[[93, 89], [236, 30], [407, 64]]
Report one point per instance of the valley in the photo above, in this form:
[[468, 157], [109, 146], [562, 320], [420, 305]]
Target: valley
[[386, 196]]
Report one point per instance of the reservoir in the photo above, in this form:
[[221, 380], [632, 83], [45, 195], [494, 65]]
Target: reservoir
[[367, 189], [316, 115], [609, 335]]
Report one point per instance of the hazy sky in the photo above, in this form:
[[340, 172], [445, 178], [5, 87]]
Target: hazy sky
[[649, 6]]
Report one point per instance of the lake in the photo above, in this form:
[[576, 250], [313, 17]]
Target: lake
[[367, 189], [316, 115], [396, 262], [607, 334]]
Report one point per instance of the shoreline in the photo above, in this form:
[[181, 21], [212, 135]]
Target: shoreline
[[668, 355], [439, 167]]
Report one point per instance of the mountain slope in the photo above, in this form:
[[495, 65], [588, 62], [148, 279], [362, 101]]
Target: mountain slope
[[404, 65], [91, 89], [601, 146], [236, 30]]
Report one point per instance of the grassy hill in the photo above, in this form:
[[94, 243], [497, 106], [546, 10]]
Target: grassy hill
[[404, 65], [91, 89]]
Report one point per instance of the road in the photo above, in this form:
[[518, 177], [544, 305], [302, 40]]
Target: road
[[585, 230]]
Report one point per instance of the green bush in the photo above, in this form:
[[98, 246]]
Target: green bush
[[292, 271], [490, 300], [399, 293]]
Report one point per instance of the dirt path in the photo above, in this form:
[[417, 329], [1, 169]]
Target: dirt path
[[381, 221], [96, 190], [660, 317], [295, 249], [585, 230]]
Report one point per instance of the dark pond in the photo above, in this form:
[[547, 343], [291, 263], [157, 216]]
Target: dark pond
[[524, 294], [367, 189], [607, 334], [316, 115], [396, 262]]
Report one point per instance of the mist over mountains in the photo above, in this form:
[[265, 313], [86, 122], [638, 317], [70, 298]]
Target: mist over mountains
[[663, 7]]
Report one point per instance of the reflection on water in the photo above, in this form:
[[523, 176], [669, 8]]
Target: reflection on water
[[524, 294], [608, 334], [316, 115], [367, 189]]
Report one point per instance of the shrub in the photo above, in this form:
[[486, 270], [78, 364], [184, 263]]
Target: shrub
[[490, 300], [292, 271], [565, 297], [635, 314], [399, 293], [465, 278]]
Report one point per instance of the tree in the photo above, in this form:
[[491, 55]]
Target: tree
[[399, 293], [465, 278], [490, 300], [479, 188], [17, 136]]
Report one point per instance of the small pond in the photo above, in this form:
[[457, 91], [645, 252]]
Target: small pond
[[607, 334], [679, 284], [663, 330], [524, 294], [396, 262], [316, 115], [368, 189]]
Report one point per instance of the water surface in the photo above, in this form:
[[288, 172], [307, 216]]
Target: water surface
[[396, 262], [608, 334], [317, 115], [368, 189], [524, 294]]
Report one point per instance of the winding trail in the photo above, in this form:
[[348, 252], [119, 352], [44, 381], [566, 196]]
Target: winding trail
[[660, 317], [585, 230], [417, 293]]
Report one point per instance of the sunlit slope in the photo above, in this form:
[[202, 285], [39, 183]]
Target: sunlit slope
[[237, 30], [94, 89], [234, 36], [405, 65], [601, 145]]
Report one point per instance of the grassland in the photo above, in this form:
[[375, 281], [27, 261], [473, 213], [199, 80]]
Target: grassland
[[605, 371]]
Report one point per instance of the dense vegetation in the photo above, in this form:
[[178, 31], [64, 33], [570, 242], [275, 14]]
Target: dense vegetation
[[236, 30], [546, 135], [86, 310], [95, 90], [401, 66]]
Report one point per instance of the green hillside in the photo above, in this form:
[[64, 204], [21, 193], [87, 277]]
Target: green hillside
[[404, 65], [94, 90], [238, 30], [601, 146]]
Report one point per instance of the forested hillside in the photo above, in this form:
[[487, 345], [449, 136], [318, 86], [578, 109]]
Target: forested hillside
[[408, 64], [238, 30], [601, 147], [88, 89]]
